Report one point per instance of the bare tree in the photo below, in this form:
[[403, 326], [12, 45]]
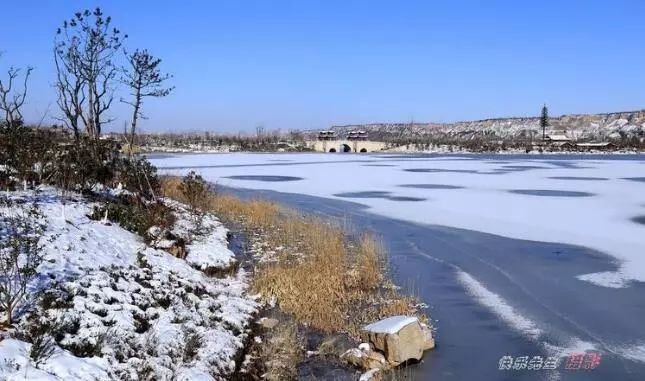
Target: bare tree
[[259, 132], [144, 78], [86, 48], [11, 98], [20, 254], [70, 88]]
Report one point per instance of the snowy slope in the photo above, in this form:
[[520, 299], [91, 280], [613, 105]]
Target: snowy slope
[[133, 309]]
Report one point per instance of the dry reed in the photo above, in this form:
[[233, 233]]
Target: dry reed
[[319, 278]]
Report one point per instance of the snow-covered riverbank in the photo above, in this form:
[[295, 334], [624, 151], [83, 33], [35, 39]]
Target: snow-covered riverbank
[[123, 308]]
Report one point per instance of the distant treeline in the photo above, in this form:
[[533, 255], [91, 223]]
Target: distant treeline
[[270, 141]]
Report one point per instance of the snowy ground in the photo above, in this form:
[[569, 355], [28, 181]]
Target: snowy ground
[[133, 310], [489, 195]]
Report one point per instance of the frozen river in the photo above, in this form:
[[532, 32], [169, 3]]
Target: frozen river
[[515, 255]]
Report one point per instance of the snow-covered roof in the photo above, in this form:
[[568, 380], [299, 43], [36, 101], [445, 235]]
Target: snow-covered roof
[[558, 137], [603, 144]]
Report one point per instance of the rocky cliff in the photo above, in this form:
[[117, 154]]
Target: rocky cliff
[[595, 127]]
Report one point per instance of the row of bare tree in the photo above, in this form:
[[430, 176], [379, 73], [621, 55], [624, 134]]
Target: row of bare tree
[[91, 64]]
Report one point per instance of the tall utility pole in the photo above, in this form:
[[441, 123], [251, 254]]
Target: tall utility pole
[[544, 121]]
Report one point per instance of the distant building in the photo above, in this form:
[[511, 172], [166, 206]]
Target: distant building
[[357, 135], [603, 146], [54, 129], [327, 135], [556, 138]]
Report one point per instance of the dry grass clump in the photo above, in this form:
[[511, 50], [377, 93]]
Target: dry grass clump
[[255, 214], [319, 276], [311, 286], [369, 260], [170, 187]]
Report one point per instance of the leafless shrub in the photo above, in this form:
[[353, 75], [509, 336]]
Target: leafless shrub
[[11, 99], [192, 342], [42, 348], [20, 254]]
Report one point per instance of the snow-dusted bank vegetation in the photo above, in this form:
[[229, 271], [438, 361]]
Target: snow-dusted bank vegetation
[[106, 303]]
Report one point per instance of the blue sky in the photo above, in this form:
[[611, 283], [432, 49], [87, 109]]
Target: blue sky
[[310, 64]]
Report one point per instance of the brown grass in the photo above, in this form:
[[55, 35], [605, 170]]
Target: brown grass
[[309, 286], [369, 259], [320, 277]]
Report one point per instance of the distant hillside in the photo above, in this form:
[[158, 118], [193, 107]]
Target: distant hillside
[[611, 126]]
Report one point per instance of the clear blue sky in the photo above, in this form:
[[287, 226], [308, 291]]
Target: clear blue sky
[[310, 64]]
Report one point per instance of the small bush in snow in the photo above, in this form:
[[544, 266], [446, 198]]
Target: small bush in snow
[[40, 333], [42, 348], [195, 192], [138, 176], [20, 254], [192, 342], [136, 215]]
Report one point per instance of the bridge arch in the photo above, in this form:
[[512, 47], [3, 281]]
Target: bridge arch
[[340, 145]]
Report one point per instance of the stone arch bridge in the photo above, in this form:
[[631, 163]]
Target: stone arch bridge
[[346, 145]]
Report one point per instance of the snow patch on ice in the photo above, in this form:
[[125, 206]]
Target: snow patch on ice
[[499, 306], [631, 352], [574, 346], [611, 279]]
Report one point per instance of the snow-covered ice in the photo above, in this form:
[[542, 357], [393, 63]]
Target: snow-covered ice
[[482, 201]]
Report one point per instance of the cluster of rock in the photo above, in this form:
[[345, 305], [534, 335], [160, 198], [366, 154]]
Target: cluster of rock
[[388, 343]]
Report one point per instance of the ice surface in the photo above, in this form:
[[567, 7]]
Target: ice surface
[[601, 221]]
